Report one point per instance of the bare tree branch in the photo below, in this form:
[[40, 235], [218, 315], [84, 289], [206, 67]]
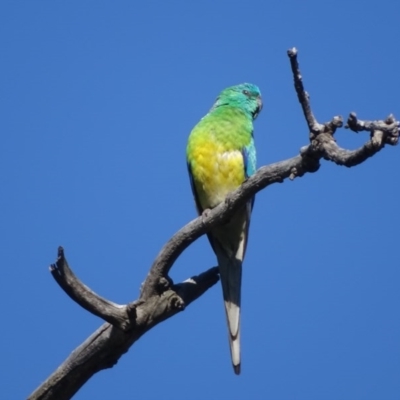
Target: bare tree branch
[[108, 343], [115, 314], [159, 298]]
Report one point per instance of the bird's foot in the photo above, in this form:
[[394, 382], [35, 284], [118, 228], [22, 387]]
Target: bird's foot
[[206, 212], [228, 198]]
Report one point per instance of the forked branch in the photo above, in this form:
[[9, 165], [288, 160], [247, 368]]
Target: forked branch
[[161, 299]]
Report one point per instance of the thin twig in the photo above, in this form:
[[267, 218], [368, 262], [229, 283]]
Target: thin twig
[[302, 95]]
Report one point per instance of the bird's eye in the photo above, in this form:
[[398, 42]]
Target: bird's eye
[[246, 92]]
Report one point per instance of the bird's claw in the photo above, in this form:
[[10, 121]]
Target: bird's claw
[[205, 213], [228, 199]]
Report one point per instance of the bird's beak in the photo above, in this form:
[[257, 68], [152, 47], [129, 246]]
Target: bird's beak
[[259, 102], [259, 107]]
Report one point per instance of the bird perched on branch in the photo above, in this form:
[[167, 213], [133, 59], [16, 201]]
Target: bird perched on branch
[[220, 156]]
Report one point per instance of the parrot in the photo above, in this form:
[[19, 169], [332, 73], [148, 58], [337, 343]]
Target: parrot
[[220, 156]]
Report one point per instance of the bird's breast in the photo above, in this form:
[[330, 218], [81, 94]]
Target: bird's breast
[[216, 172]]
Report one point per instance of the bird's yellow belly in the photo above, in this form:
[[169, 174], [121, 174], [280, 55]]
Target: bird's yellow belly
[[216, 173]]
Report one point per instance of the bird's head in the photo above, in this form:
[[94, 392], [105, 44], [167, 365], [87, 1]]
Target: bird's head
[[246, 96]]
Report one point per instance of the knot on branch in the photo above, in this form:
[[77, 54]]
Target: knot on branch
[[331, 126], [177, 303], [131, 309], [328, 128], [310, 162], [164, 283]]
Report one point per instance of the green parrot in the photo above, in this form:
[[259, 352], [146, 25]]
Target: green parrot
[[220, 156]]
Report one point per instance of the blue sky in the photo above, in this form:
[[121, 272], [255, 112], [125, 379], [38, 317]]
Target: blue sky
[[97, 100]]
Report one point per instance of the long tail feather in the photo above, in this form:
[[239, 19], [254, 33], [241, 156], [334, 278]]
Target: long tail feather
[[231, 279], [229, 244]]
